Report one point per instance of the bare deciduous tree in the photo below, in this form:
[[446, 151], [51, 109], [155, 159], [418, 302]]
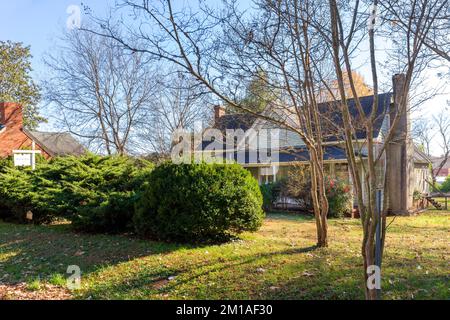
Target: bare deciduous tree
[[99, 91], [179, 103], [419, 17], [423, 133], [442, 122], [296, 43], [434, 132], [224, 50]]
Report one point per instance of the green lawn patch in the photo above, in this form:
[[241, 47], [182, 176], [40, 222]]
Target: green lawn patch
[[277, 262]]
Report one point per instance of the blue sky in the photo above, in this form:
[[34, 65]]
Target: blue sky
[[38, 23]]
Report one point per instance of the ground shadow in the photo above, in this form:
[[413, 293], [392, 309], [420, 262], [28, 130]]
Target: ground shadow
[[150, 282], [30, 252]]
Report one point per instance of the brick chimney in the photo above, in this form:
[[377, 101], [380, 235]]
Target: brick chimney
[[219, 112], [11, 114], [400, 151]]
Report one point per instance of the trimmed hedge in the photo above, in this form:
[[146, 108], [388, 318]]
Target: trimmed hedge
[[188, 202], [198, 202], [95, 193]]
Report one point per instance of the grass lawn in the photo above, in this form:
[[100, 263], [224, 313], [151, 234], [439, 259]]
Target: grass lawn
[[277, 262]]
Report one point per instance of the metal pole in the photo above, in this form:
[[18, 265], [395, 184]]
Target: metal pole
[[378, 238]]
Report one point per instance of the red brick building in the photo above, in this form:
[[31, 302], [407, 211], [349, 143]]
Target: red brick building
[[13, 136]]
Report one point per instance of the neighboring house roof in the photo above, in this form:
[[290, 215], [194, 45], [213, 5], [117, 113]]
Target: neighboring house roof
[[437, 161], [331, 117], [420, 157], [56, 144]]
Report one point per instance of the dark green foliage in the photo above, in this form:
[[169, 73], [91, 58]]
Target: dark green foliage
[[112, 214], [96, 193], [193, 203], [270, 193], [107, 193], [15, 195], [445, 186], [5, 163], [198, 202]]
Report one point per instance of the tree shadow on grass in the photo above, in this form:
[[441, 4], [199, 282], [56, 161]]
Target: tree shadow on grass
[[346, 282], [150, 283], [322, 280], [29, 252], [237, 278]]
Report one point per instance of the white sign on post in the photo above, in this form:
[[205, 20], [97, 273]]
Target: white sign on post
[[22, 159], [26, 158]]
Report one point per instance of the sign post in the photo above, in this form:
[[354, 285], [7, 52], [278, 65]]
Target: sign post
[[26, 158]]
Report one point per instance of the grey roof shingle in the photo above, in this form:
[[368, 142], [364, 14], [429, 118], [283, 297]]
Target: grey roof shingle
[[235, 121], [331, 116], [57, 144], [295, 154], [437, 161], [420, 156]]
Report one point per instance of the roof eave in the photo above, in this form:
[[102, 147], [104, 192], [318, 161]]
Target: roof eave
[[38, 142]]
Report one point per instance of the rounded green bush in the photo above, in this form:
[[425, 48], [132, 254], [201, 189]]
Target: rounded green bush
[[198, 203]]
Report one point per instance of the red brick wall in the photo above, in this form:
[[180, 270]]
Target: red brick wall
[[12, 137]]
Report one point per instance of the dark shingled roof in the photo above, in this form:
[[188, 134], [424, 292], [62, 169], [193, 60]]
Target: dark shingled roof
[[296, 154], [57, 144], [331, 117], [302, 154], [235, 121]]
